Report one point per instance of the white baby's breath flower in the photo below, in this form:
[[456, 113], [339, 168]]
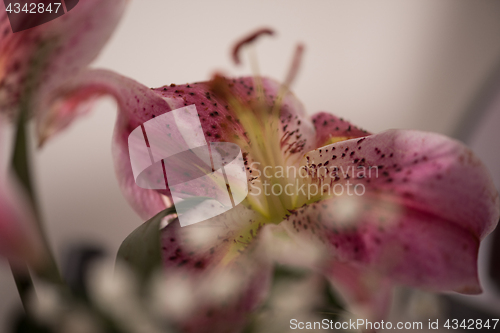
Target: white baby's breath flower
[[47, 304], [171, 296], [115, 289], [79, 320]]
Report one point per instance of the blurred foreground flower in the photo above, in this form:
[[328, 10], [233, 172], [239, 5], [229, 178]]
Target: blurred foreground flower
[[19, 241], [368, 211], [35, 64]]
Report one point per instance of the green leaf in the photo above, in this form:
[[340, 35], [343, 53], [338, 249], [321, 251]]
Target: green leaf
[[142, 249]]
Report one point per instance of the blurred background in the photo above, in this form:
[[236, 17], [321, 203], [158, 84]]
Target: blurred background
[[431, 65]]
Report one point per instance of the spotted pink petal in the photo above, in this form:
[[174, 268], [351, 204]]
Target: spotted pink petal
[[37, 62], [228, 239], [135, 102], [210, 252], [138, 104], [221, 122], [419, 222]]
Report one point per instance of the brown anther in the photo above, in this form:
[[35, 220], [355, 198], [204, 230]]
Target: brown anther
[[247, 40]]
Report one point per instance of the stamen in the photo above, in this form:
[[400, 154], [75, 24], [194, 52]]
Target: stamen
[[247, 40], [294, 68], [219, 86]]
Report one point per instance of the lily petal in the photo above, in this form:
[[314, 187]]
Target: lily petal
[[204, 251], [36, 63], [227, 270], [136, 104], [219, 119], [431, 202]]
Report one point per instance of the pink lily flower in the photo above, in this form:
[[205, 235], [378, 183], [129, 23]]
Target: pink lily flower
[[432, 202], [418, 222]]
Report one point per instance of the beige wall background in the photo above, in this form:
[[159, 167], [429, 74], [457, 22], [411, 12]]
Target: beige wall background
[[381, 64]]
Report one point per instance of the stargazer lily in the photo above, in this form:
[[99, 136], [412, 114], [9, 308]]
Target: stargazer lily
[[419, 203], [431, 203]]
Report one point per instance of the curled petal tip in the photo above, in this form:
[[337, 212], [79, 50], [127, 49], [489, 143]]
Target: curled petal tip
[[470, 290]]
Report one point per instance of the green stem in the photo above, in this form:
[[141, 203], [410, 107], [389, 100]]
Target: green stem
[[20, 165], [24, 283]]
